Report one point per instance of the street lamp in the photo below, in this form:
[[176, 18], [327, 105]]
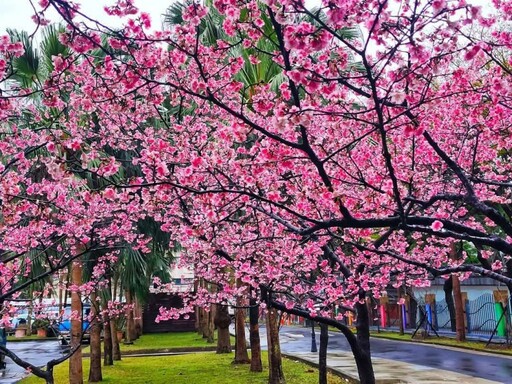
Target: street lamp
[[313, 337]]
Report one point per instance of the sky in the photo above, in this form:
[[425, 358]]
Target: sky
[[17, 13]]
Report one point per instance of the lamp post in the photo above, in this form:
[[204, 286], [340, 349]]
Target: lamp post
[[313, 337]]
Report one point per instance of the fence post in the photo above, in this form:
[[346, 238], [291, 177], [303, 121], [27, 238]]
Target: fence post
[[403, 311], [499, 298], [430, 300], [382, 308]]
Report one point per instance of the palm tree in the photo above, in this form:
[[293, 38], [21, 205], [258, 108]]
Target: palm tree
[[31, 69], [136, 271]]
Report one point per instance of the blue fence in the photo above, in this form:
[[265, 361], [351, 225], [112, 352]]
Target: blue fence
[[483, 316]]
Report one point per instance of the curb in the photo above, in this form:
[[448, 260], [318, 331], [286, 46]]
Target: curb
[[163, 351]]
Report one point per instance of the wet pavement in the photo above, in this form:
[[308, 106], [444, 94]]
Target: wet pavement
[[477, 364], [36, 352]]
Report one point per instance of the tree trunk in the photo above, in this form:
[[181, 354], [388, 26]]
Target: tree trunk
[[210, 325], [448, 288], [275, 365], [254, 337], [401, 330], [203, 322], [197, 324], [66, 290], [61, 293], [459, 310], [460, 328], [222, 322], [130, 325], [108, 358], [204, 317], [95, 375], [363, 356], [29, 318], [107, 334], [75, 361], [322, 355], [137, 310], [116, 350], [413, 307], [241, 356]]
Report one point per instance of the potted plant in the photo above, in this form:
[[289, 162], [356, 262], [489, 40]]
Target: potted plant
[[21, 330], [42, 327]]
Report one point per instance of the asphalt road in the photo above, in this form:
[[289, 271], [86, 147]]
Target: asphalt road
[[36, 352], [483, 365]]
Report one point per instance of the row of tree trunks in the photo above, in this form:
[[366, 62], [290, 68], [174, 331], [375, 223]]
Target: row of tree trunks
[[206, 326], [205, 318], [241, 355], [111, 343]]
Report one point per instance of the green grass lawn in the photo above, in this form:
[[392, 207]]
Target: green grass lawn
[[166, 341], [194, 368]]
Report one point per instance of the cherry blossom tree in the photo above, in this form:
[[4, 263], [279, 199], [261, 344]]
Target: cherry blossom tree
[[363, 167]]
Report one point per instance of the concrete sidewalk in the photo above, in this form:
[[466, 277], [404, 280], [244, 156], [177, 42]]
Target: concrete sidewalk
[[388, 371]]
